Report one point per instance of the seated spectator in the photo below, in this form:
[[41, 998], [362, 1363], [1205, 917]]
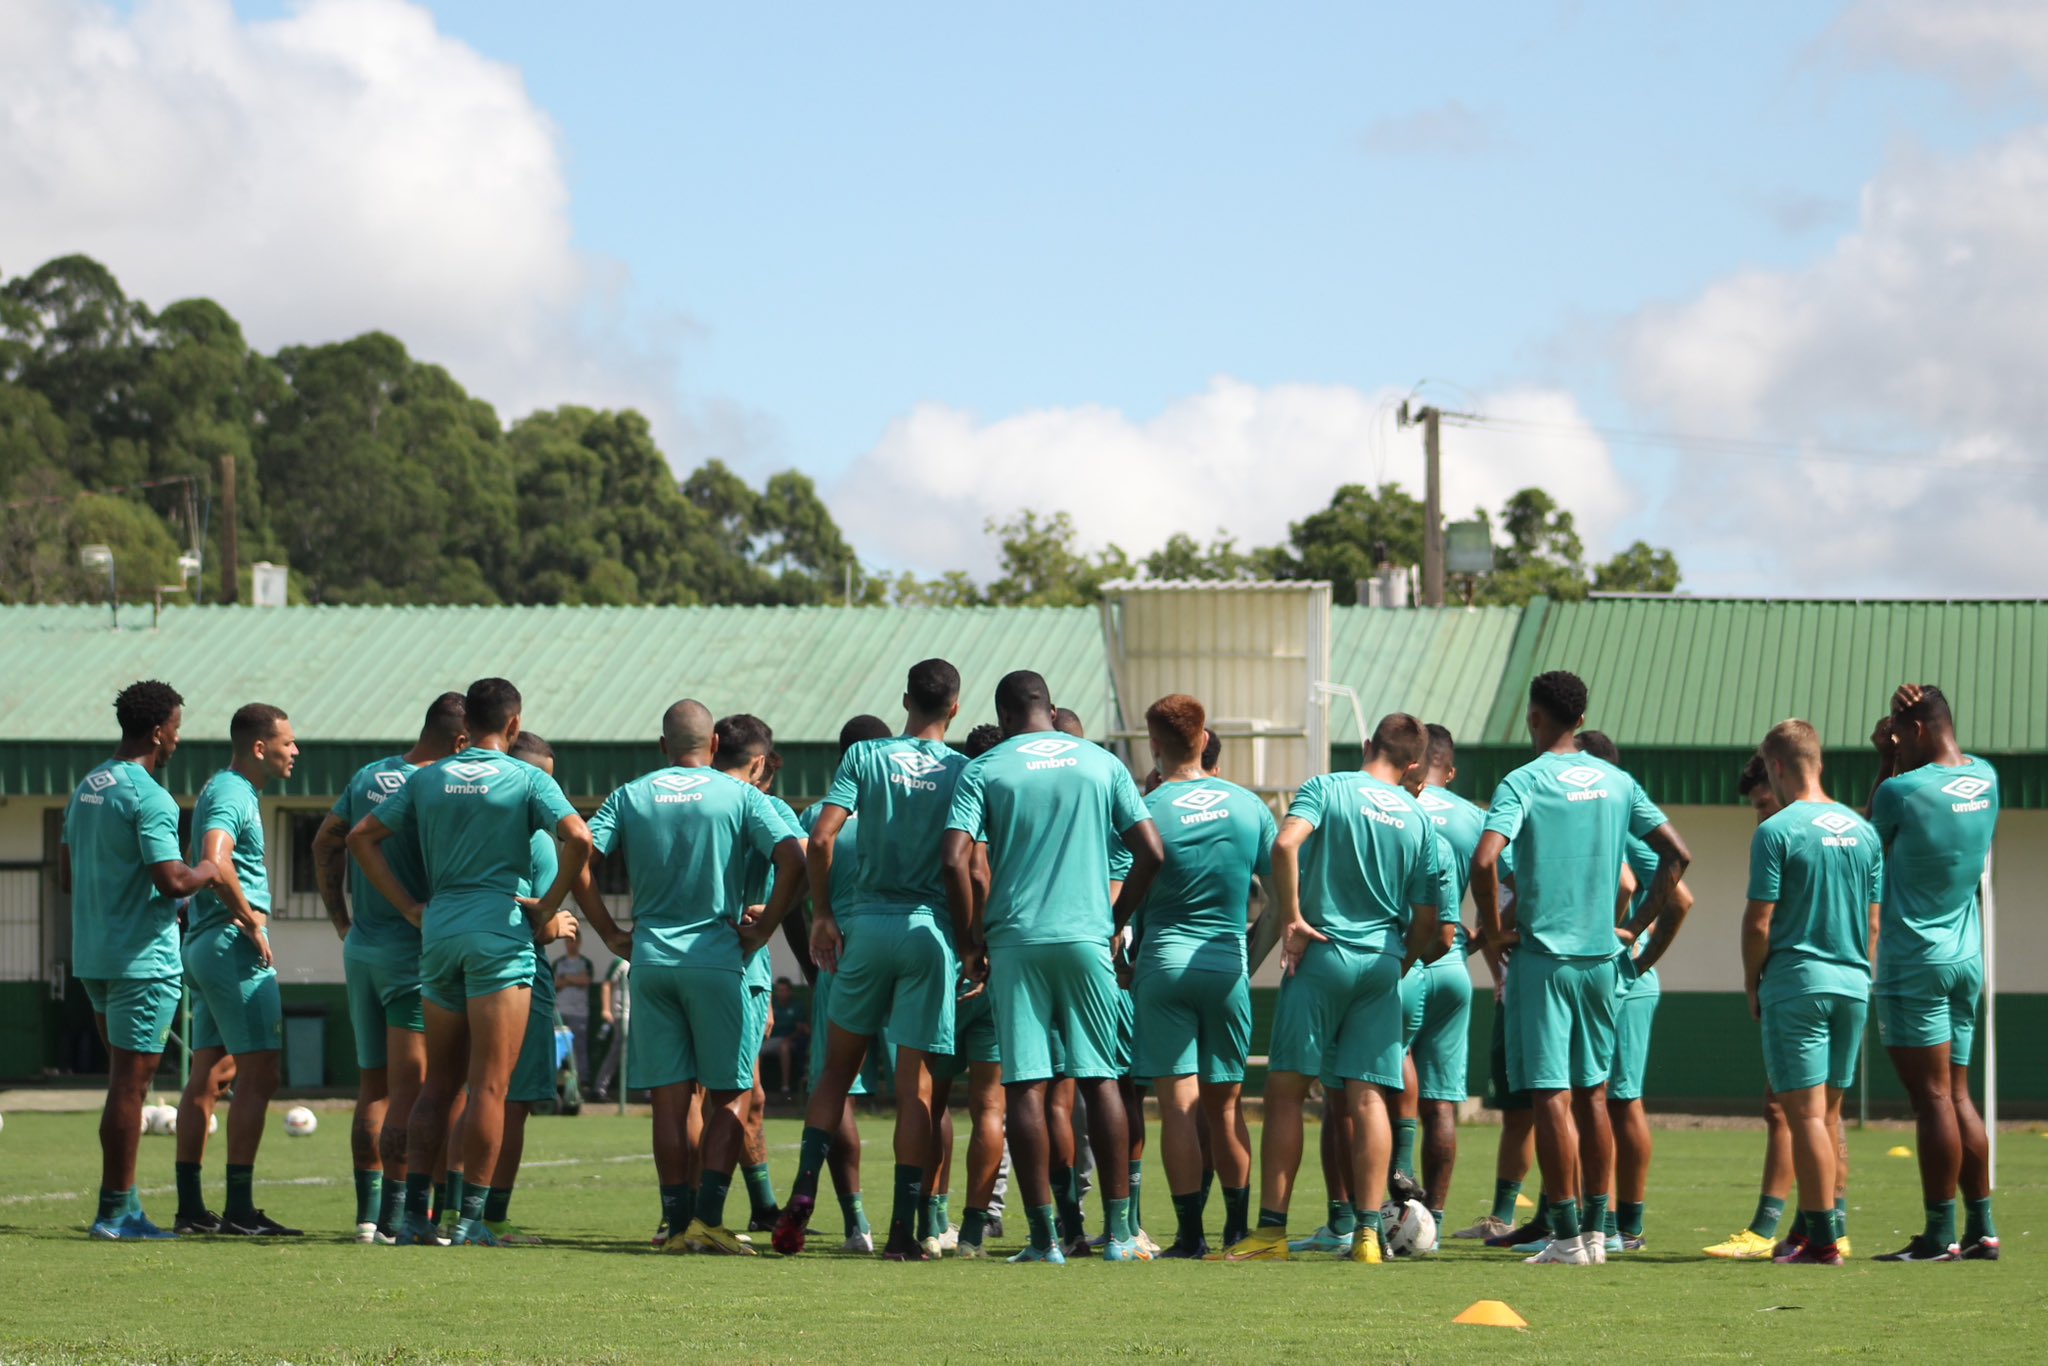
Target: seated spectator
[[789, 1037]]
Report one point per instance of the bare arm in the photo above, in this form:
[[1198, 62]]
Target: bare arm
[[956, 862], [1667, 928], [819, 854], [1495, 938], [790, 879], [1296, 934], [330, 868], [574, 846], [1429, 937], [218, 847], [175, 879], [1756, 949], [1673, 858], [365, 845], [591, 902], [1148, 856]]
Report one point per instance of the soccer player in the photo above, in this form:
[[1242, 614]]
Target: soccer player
[[1046, 807], [890, 943], [1355, 883], [1568, 816], [1815, 881], [1192, 994], [120, 864], [1936, 810], [474, 816], [380, 959], [683, 830], [237, 1013]]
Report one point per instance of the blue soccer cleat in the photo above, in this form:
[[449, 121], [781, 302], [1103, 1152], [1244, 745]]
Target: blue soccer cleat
[[1051, 1256]]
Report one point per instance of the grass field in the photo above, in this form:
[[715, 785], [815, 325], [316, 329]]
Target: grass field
[[597, 1292]]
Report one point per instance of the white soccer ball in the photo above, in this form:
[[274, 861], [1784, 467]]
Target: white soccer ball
[[1411, 1228], [159, 1119], [299, 1121]]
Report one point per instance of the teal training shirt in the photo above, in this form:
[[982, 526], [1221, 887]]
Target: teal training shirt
[[761, 885], [543, 863], [1820, 863], [905, 789], [1459, 823], [1372, 858], [374, 922], [1218, 837], [118, 825], [229, 802], [1936, 825], [845, 850], [1047, 805], [1568, 817], [683, 832], [474, 817]]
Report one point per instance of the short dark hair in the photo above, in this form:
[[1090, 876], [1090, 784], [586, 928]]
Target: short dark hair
[[490, 706], [141, 707], [1932, 710], [741, 739], [933, 685], [1443, 750], [1559, 695], [447, 718], [982, 739], [1754, 776], [1400, 739], [861, 728], [1212, 752], [1067, 721], [254, 721], [1600, 745], [531, 748], [1022, 691]]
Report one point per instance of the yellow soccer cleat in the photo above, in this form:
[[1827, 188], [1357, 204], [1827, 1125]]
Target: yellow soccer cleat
[[1365, 1246], [1261, 1245], [1842, 1246], [1745, 1246], [716, 1242]]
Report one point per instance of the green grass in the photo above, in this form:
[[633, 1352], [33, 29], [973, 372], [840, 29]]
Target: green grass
[[597, 1292]]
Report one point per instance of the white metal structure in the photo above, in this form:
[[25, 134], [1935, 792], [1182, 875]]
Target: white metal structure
[[1257, 654]]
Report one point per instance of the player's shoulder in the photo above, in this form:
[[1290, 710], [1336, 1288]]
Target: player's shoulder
[[1441, 802]]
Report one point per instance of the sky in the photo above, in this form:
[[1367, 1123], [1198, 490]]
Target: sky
[[1166, 267]]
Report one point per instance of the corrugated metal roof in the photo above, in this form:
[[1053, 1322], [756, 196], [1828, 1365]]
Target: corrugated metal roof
[[1443, 665], [1719, 673], [588, 674]]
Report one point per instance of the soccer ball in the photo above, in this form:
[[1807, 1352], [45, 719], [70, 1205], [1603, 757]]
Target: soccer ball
[[1411, 1228], [159, 1119], [299, 1121]]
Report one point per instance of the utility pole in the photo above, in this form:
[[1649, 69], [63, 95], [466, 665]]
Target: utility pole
[[1432, 509], [230, 530]]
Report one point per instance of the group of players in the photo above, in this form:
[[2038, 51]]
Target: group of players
[[1023, 915]]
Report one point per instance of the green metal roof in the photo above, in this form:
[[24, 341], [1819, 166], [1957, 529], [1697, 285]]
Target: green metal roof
[[1443, 665]]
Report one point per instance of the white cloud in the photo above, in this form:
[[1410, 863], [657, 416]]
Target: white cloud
[[1236, 455], [343, 168], [1968, 41]]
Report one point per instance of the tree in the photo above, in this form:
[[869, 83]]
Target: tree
[[1182, 557], [1043, 567], [1347, 540], [1642, 568]]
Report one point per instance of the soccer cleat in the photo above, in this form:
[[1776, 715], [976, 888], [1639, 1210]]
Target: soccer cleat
[[1125, 1250], [660, 1238], [902, 1247], [366, 1233], [1595, 1246], [765, 1221], [1144, 1240], [859, 1242], [1188, 1252], [1562, 1252], [1401, 1188], [383, 1239], [141, 1229], [510, 1234], [995, 1225], [1842, 1246], [1366, 1248], [446, 1222], [1977, 1250], [475, 1233], [933, 1249], [204, 1222], [1746, 1246], [1809, 1254], [1051, 1256], [1489, 1227], [258, 1225], [970, 1251], [417, 1231], [791, 1228], [1630, 1242], [1921, 1249], [717, 1242], [1521, 1237], [950, 1239], [1262, 1245], [1080, 1245], [1322, 1240]]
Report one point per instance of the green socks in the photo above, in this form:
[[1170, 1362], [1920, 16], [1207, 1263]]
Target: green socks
[[935, 1218], [1272, 1218], [391, 1206], [1117, 1213], [1066, 1198], [1596, 1215], [1237, 1205], [1505, 1194], [1564, 1219], [678, 1207], [473, 1198], [451, 1194], [712, 1188], [1404, 1145], [1137, 1195], [497, 1204], [419, 1193], [191, 1198], [1842, 1215], [850, 1209], [241, 1206], [1369, 1226], [1340, 1220], [1040, 1218], [1977, 1223], [369, 1189], [1630, 1221], [1610, 1225], [761, 1193], [1941, 1223], [1769, 1213], [972, 1225], [813, 1149], [1822, 1227], [113, 1205], [909, 1195]]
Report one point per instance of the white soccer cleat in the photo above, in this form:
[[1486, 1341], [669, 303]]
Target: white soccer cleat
[[366, 1233], [932, 1247], [859, 1242], [1595, 1243], [1562, 1252], [950, 1239], [1146, 1245]]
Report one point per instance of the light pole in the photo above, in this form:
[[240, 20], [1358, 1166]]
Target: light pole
[[102, 557]]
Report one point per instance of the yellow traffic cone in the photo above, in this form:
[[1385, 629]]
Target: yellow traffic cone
[[1491, 1314]]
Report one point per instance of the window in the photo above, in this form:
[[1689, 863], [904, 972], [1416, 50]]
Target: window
[[302, 878]]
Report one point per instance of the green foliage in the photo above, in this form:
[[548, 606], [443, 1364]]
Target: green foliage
[[1044, 567], [1642, 568]]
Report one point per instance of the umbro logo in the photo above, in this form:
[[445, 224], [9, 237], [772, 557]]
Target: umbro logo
[[100, 780], [1967, 788], [1836, 823], [1201, 799], [1383, 799], [680, 782], [1429, 801], [1581, 777], [472, 771], [390, 780], [915, 763], [1047, 748]]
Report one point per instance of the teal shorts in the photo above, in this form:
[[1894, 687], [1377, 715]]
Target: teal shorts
[[1634, 1012], [821, 1021], [897, 974], [760, 1016], [692, 1025], [383, 994], [140, 1012], [1126, 1031], [235, 1000], [1339, 1017], [1813, 1041], [1437, 1016], [1499, 1095], [974, 1039], [456, 970], [533, 1076], [1925, 1005], [1192, 1023], [1560, 1021], [1042, 989]]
